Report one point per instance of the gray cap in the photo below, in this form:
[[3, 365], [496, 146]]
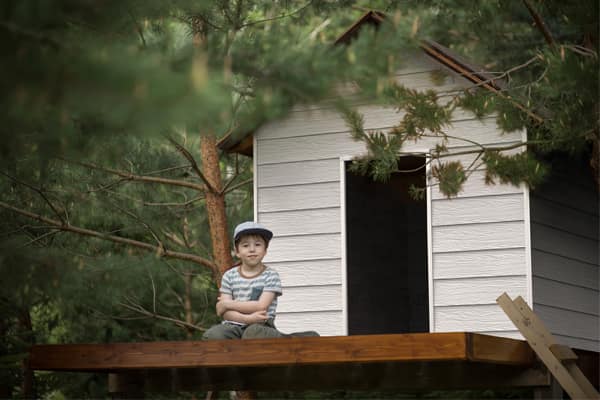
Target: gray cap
[[251, 228]]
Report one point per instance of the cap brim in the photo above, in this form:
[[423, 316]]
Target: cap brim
[[255, 231]]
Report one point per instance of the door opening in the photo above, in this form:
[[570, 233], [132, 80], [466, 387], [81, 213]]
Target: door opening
[[386, 252]]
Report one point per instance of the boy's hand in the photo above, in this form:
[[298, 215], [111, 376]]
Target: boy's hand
[[257, 317]]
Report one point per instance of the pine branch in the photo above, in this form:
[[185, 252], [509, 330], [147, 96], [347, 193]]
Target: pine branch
[[141, 178], [539, 22], [192, 162], [116, 239]]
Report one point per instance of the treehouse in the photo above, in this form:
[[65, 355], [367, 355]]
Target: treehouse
[[404, 292], [360, 257]]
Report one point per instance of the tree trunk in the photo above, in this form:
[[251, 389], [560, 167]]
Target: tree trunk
[[215, 206]]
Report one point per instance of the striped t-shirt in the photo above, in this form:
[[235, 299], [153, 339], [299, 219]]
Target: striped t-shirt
[[241, 288]]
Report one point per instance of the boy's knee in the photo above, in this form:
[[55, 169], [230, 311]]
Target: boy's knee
[[219, 332], [258, 331]]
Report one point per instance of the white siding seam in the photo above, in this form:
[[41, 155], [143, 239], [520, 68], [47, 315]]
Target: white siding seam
[[481, 249], [492, 196], [476, 277], [300, 210], [299, 162], [565, 309], [565, 257], [593, 239], [302, 260], [564, 283], [478, 223], [291, 235], [283, 210], [470, 304], [333, 310], [298, 184], [379, 128], [311, 285]]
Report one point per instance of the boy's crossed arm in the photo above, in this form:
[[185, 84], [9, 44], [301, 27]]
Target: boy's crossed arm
[[245, 312]]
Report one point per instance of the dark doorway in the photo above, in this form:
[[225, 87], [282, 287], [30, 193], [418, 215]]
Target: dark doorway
[[386, 253]]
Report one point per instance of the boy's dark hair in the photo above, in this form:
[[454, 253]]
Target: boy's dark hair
[[243, 235]]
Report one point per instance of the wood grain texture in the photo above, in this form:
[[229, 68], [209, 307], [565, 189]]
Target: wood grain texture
[[501, 350], [254, 352], [477, 210], [478, 237], [466, 264], [275, 352]]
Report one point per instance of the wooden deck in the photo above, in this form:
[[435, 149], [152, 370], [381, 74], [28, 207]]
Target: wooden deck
[[404, 361]]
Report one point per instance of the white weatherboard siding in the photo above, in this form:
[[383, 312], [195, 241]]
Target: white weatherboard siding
[[564, 236], [479, 237]]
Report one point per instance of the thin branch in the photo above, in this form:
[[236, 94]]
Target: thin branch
[[116, 239], [141, 178], [159, 242], [37, 239], [279, 16], [139, 309], [539, 22], [38, 191], [234, 187], [192, 162]]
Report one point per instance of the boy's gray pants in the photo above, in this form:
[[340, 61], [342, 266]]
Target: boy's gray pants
[[232, 331]]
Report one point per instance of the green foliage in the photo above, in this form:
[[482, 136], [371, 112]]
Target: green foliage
[[513, 169], [451, 176]]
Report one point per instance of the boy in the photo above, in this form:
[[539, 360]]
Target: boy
[[248, 294]]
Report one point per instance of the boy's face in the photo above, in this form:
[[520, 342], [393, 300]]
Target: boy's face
[[251, 250]]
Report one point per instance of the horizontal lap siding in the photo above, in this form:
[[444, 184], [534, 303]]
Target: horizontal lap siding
[[565, 243], [326, 323], [479, 237]]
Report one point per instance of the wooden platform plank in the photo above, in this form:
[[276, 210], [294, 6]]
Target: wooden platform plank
[[256, 352]]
